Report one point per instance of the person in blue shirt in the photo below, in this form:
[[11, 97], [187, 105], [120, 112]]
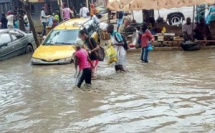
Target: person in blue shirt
[[211, 14]]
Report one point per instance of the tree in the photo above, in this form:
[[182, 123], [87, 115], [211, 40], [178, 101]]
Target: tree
[[27, 7], [20, 16]]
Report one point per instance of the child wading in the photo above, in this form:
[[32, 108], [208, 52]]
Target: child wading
[[85, 68], [146, 38], [118, 43]]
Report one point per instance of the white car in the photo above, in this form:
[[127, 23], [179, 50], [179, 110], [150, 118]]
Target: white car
[[174, 16]]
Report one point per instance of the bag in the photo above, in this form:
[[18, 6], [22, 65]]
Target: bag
[[119, 15], [105, 35], [100, 53], [124, 41], [150, 48], [111, 54]]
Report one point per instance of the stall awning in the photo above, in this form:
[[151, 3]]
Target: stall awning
[[129, 5]]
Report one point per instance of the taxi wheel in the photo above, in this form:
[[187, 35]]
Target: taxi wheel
[[72, 61]]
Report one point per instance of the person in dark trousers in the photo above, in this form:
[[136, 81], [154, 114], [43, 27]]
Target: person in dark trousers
[[202, 30], [3, 21], [146, 38], [43, 19], [82, 61], [120, 17], [92, 48]]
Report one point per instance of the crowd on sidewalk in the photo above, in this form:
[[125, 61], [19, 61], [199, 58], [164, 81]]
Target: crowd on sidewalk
[[11, 20]]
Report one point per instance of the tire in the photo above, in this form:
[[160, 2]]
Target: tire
[[29, 49], [174, 18]]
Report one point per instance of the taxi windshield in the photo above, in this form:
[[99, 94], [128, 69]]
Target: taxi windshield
[[62, 37]]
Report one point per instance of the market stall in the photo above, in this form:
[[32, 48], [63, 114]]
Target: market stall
[[131, 5]]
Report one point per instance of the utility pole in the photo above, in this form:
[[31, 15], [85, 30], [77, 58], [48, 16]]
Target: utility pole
[[68, 4], [20, 16], [48, 6], [87, 3], [60, 7], [27, 7]]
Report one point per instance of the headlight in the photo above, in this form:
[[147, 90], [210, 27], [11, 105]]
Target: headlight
[[36, 60], [65, 60]]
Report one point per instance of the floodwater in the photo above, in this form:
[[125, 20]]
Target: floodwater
[[174, 93]]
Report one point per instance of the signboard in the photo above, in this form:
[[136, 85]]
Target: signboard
[[129, 5], [34, 1]]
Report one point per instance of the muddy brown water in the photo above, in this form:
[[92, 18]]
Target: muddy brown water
[[174, 93]]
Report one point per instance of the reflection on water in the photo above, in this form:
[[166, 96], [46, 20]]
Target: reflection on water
[[175, 92]]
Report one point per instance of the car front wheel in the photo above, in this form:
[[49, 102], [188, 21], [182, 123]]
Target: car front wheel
[[29, 49]]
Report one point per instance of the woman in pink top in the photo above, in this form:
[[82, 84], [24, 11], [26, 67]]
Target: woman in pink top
[[67, 12], [83, 62], [146, 38]]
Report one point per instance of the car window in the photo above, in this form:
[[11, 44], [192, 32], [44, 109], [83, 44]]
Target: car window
[[4, 38], [14, 37], [16, 34], [62, 37]]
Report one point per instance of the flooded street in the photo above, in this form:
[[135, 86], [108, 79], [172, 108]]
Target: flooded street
[[174, 93]]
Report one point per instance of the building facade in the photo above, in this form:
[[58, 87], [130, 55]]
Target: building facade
[[5, 5]]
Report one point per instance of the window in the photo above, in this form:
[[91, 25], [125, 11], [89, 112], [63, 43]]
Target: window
[[5, 38], [5, 6], [14, 37], [62, 37], [15, 34]]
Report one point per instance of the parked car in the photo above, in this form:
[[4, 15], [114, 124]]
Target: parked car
[[14, 42], [58, 47], [174, 16]]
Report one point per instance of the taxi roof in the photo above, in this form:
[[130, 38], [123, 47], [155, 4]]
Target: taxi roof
[[71, 24]]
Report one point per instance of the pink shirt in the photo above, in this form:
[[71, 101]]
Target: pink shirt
[[82, 56], [146, 37], [66, 13]]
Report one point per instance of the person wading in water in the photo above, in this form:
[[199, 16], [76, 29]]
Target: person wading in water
[[92, 48], [85, 67], [117, 41]]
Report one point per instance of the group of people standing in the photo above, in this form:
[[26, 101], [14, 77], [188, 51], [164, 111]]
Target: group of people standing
[[200, 13], [11, 19], [53, 19]]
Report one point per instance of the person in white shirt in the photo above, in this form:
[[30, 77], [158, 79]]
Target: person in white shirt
[[94, 18], [43, 19], [187, 29], [83, 11], [10, 18]]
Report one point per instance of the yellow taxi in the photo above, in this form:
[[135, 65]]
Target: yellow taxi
[[59, 45]]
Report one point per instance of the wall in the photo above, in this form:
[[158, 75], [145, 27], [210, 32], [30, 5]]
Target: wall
[[5, 5]]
